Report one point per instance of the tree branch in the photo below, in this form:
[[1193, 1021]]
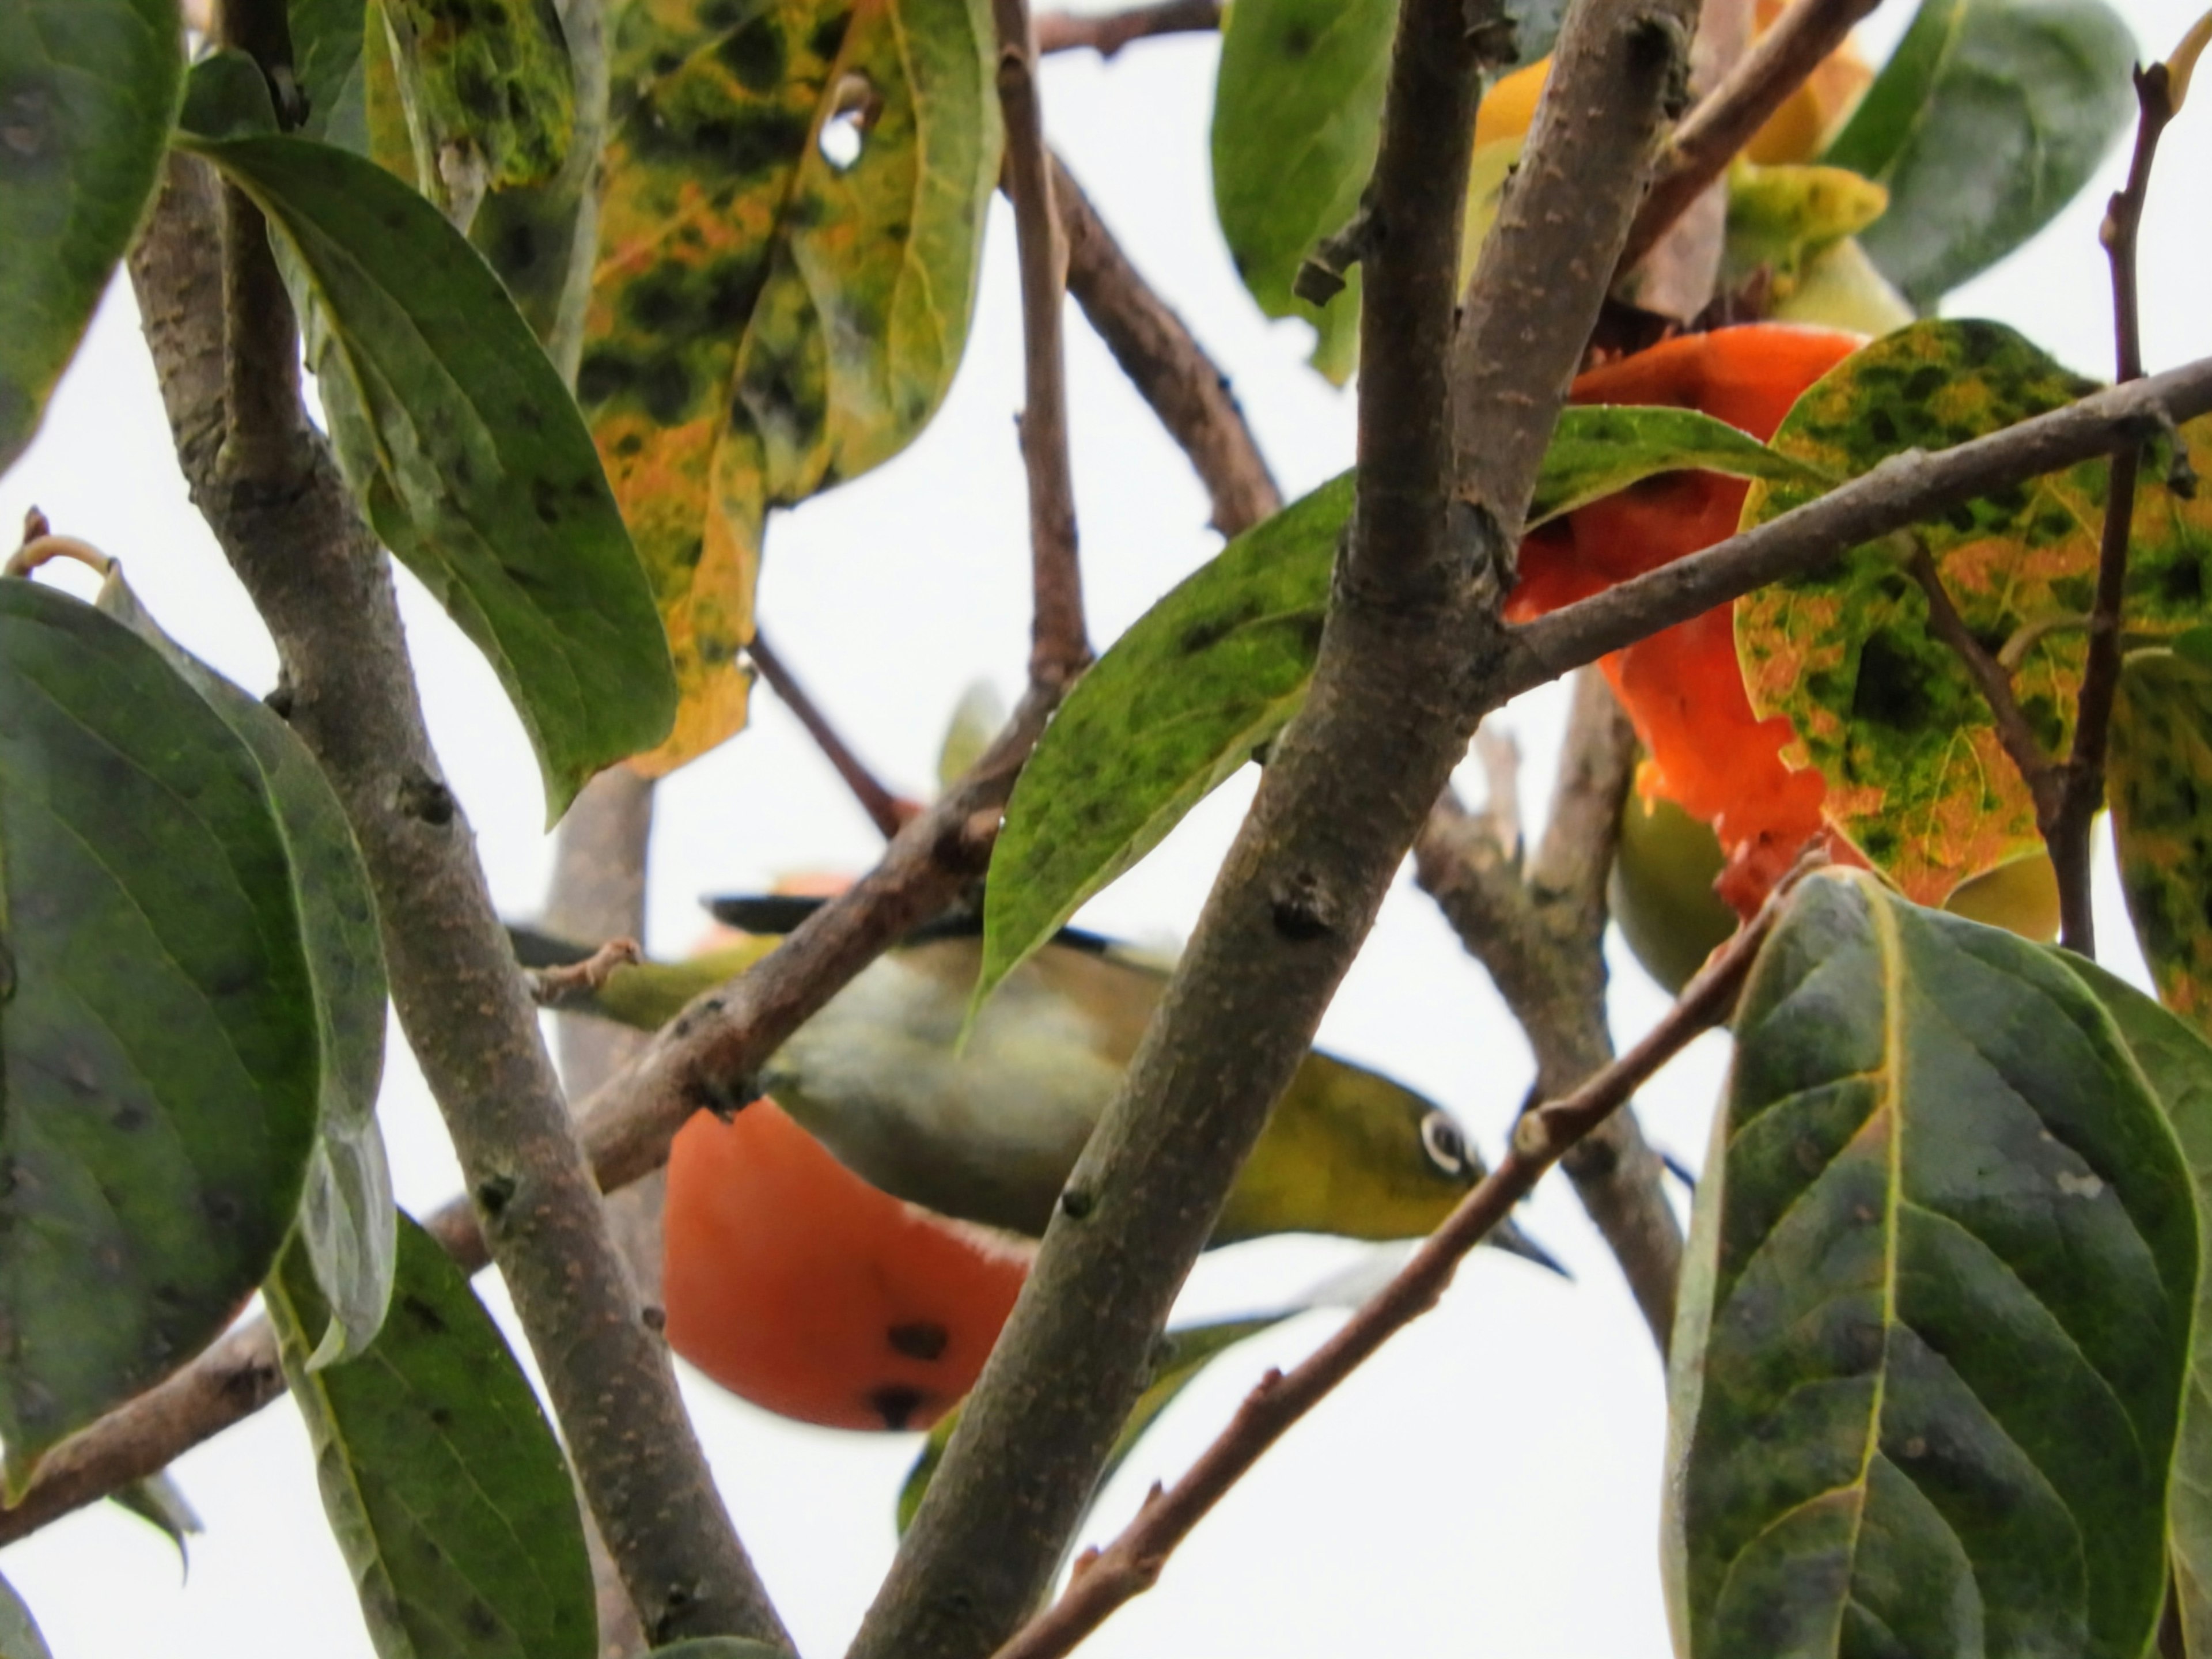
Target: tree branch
[[321, 585], [1059, 648], [1722, 124], [1131, 1564], [1391, 706], [1169, 369], [1107, 33], [885, 811], [1541, 937], [1902, 491]]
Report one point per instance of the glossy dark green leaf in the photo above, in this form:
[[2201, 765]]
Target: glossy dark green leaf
[[476, 468], [346, 1216], [2176, 1062], [1990, 117], [327, 39], [158, 1044], [1927, 1375], [1298, 104], [2159, 780], [19, 1631], [445, 1487], [87, 91], [1183, 1354], [161, 1503], [227, 96], [1213, 670]]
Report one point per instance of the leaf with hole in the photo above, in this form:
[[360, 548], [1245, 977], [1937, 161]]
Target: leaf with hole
[[346, 1216], [158, 1042], [1986, 120], [1928, 1371], [789, 237], [458, 435], [1916, 776], [87, 91], [446, 1489], [2159, 780]]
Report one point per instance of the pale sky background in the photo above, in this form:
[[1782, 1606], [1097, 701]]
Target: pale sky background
[[1490, 1484]]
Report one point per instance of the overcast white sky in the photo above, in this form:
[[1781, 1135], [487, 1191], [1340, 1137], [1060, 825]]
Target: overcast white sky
[[1489, 1484]]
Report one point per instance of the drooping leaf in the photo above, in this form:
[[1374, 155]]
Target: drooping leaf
[[87, 91], [1298, 106], [766, 321], [1989, 118], [458, 434], [326, 42], [159, 1502], [1211, 672], [346, 1216], [486, 86], [158, 1046], [1182, 1355], [19, 1631], [1916, 776], [1931, 1361], [2159, 780], [446, 1490], [2176, 1062]]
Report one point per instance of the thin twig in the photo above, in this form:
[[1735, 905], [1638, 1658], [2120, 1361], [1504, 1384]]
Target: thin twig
[[1169, 369], [2082, 790], [2036, 769], [1131, 1564], [1107, 33], [888, 812], [1060, 646], [1711, 133]]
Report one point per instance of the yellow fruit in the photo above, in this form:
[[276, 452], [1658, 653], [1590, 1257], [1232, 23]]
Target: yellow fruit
[[1662, 890], [2021, 897]]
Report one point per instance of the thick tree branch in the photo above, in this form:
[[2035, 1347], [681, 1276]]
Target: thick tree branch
[[1105, 1580], [1059, 647], [885, 811], [1723, 123], [1902, 491], [1168, 369], [1541, 937], [1107, 33], [1391, 707], [322, 588]]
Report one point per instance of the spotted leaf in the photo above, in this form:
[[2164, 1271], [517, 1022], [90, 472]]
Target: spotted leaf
[[788, 253], [1916, 777], [2159, 783]]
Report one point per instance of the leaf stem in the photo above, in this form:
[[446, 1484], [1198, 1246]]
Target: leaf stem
[[1105, 1580], [2082, 782], [889, 813]]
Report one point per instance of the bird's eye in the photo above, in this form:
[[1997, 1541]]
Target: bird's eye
[[1441, 1140]]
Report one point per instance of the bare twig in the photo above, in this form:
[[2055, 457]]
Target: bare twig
[[1722, 124], [887, 812], [1059, 647], [1169, 369], [322, 586], [1107, 33], [2036, 769], [1539, 932], [1131, 1564], [2083, 779]]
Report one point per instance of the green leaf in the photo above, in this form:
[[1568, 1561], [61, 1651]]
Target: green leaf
[[445, 1487], [19, 1631], [2176, 1062], [2159, 780], [1779, 218], [346, 1215], [1930, 1367], [765, 320], [487, 87], [1916, 776], [158, 1048], [326, 41], [458, 434], [1298, 106], [1988, 118], [1182, 1355], [1218, 667], [227, 96], [86, 90]]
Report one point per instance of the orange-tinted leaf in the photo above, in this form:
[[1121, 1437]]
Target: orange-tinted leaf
[[766, 319]]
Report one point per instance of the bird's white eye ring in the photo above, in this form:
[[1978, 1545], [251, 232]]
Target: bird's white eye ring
[[1442, 1140]]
